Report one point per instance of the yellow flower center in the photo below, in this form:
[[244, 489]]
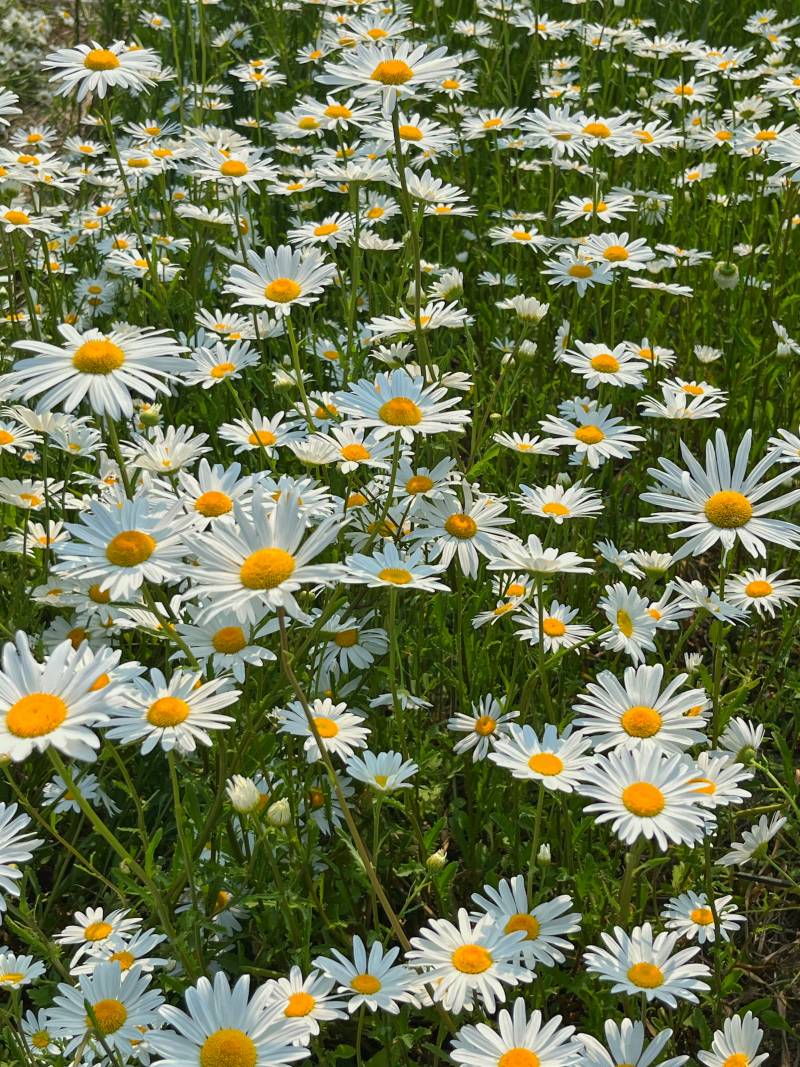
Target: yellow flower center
[[410, 133], [376, 33], [521, 235], [130, 548], [641, 721], [365, 983], [355, 452], [36, 715], [168, 711], [392, 72], [527, 923], [308, 122], [728, 510], [262, 437], [31, 499], [643, 799], [463, 527], [395, 575], [267, 568], [98, 931], [375, 213], [213, 503], [326, 727], [546, 764], [758, 588], [589, 435], [683, 90], [766, 135], [597, 129], [326, 229], [400, 411], [485, 725], [356, 500], [16, 218], [5, 437], [98, 595], [299, 1005], [138, 162], [100, 59], [471, 959], [125, 959], [554, 507], [625, 623], [233, 168], [580, 270], [41, 1039], [346, 638], [282, 290], [337, 111], [221, 369], [738, 1059], [702, 916], [553, 627], [229, 639], [99, 684], [519, 1057], [228, 1048], [98, 357], [615, 254], [693, 390], [645, 975]]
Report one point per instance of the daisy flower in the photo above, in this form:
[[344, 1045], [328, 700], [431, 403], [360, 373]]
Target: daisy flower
[[632, 626], [211, 366], [351, 644], [467, 531], [517, 1040], [257, 565], [105, 368], [123, 1007], [594, 435], [639, 713], [558, 503], [558, 631], [341, 730], [136, 952], [643, 964], [599, 366], [94, 930], [370, 979], [524, 443], [261, 432], [17, 845], [754, 841], [333, 230], [36, 1027], [531, 556], [389, 71], [618, 250], [722, 503], [736, 1044], [397, 403], [690, 915], [56, 793], [761, 591], [625, 1043], [462, 962], [434, 315], [390, 568], [174, 714], [307, 999], [386, 772], [280, 279], [543, 925], [227, 1026], [719, 780], [488, 721], [557, 762], [18, 971], [55, 702], [224, 642], [94, 69]]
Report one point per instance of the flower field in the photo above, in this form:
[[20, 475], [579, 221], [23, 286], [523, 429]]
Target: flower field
[[399, 516]]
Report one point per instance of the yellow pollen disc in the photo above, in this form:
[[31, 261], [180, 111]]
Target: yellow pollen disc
[[125, 959], [130, 548], [366, 984], [395, 575], [645, 137], [375, 213], [355, 452], [738, 1059], [758, 588], [76, 635], [262, 437], [213, 503], [346, 638], [376, 33], [701, 916], [98, 931], [646, 975], [308, 123], [693, 390], [139, 162], [766, 135], [27, 160], [31, 499], [424, 320], [356, 500], [641, 721], [337, 111], [463, 527], [580, 270], [16, 218], [521, 235], [553, 627], [298, 1005], [615, 254], [5, 437], [267, 568], [728, 510], [41, 1039], [503, 609], [392, 72], [110, 1014], [325, 727], [98, 595], [101, 59], [410, 133], [233, 168], [708, 787], [625, 623], [555, 508], [326, 229], [527, 923], [282, 290], [11, 978], [471, 959], [485, 725], [98, 357], [694, 711], [492, 124], [141, 264], [519, 1057], [589, 435], [643, 799], [168, 711], [229, 639], [36, 715], [654, 613], [400, 411], [545, 763], [228, 1048], [683, 90], [597, 129], [316, 798]]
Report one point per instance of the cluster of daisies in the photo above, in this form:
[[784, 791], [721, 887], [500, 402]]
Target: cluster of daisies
[[317, 549]]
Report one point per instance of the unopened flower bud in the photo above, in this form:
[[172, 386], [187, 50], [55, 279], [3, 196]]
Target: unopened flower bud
[[543, 857], [437, 860], [746, 755], [279, 813], [243, 794], [726, 275]]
